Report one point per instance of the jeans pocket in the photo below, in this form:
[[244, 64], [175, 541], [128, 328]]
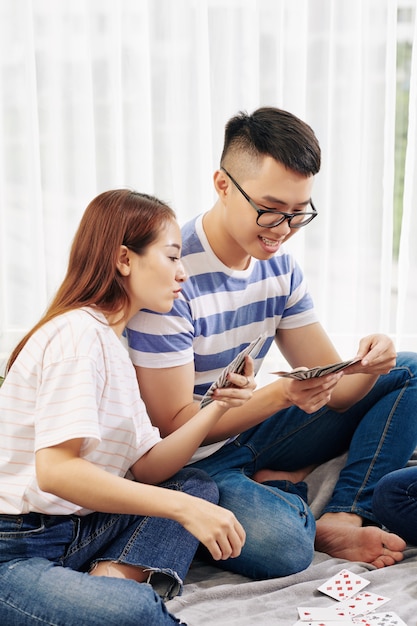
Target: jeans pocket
[[15, 526], [34, 535]]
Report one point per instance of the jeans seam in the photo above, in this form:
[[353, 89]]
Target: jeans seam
[[127, 547], [280, 494], [381, 443], [91, 537], [318, 415]]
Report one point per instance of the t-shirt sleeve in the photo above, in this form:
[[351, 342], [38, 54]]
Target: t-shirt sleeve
[[66, 406], [299, 309], [156, 340]]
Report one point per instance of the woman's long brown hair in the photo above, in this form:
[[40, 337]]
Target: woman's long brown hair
[[113, 218]]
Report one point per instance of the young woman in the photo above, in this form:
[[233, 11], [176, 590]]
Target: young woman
[[76, 534]]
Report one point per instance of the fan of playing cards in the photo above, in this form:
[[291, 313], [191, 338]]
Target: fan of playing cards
[[235, 366], [354, 605], [316, 372]]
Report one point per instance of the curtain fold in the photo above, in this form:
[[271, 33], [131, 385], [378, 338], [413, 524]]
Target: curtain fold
[[407, 265], [97, 94], [386, 270]]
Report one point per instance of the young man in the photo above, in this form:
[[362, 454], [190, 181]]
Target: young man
[[242, 283]]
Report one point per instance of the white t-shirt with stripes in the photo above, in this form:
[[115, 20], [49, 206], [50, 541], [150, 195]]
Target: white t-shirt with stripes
[[73, 379]]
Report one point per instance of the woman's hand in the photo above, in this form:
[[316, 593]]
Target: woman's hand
[[241, 387], [60, 471], [215, 527]]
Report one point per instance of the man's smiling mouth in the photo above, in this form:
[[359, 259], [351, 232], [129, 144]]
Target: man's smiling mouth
[[269, 242]]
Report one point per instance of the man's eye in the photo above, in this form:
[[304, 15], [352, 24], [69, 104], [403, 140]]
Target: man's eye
[[267, 208]]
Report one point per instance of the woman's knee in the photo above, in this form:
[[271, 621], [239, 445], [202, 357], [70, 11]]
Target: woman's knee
[[195, 482]]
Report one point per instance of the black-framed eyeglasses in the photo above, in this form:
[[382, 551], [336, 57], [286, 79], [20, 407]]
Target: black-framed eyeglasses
[[267, 218]]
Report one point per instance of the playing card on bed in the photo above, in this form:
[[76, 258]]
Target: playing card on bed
[[380, 619], [316, 372], [324, 615], [343, 585], [325, 622], [235, 366], [363, 603]]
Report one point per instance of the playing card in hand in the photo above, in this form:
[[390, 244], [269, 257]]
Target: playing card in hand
[[316, 372], [235, 366]]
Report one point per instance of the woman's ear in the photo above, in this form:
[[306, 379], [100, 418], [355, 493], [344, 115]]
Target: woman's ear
[[123, 261]]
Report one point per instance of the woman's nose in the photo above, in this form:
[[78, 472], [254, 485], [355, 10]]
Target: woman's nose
[[181, 275]]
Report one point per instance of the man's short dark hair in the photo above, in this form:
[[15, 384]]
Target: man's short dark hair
[[269, 131]]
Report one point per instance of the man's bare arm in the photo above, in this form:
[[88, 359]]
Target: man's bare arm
[[168, 392], [168, 395]]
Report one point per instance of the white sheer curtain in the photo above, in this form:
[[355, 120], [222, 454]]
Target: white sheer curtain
[[406, 312], [96, 94]]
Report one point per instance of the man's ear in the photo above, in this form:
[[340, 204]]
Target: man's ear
[[123, 261], [221, 183]]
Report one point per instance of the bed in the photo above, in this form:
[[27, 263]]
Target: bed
[[212, 596]]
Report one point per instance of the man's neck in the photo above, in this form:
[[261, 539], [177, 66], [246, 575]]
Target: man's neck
[[223, 246]]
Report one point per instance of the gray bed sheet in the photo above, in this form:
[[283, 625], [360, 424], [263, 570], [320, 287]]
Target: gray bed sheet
[[213, 596]]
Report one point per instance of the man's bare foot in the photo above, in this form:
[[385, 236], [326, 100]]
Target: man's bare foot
[[294, 477], [342, 535]]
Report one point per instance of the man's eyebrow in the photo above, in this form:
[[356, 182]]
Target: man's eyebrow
[[277, 201]]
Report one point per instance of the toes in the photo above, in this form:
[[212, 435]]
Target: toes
[[393, 542], [390, 556], [384, 560]]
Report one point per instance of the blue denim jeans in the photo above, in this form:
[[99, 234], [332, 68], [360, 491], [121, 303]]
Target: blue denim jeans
[[380, 433], [395, 503], [44, 562]]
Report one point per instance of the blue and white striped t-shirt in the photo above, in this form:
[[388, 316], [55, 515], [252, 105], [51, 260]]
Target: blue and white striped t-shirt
[[220, 311]]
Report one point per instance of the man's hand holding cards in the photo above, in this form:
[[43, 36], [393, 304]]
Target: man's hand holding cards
[[302, 373]]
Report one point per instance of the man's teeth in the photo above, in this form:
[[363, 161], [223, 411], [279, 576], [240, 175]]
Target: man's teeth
[[269, 242]]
